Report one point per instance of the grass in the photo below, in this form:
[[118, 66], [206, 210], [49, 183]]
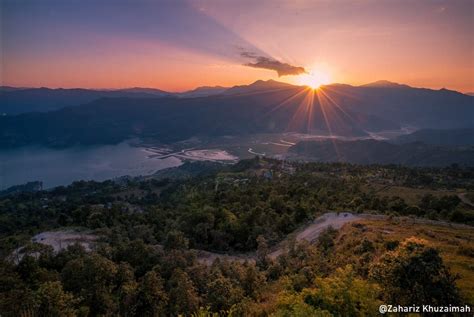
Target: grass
[[412, 196], [454, 242]]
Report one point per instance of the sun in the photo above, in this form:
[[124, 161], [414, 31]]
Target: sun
[[314, 79]]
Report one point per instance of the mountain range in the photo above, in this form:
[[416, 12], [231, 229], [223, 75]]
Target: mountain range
[[106, 117], [22, 100]]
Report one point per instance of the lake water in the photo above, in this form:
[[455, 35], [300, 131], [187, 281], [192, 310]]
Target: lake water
[[62, 167]]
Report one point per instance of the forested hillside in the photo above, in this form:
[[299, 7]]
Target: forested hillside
[[143, 260]]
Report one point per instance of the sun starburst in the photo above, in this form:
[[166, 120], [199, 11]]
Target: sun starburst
[[314, 79]]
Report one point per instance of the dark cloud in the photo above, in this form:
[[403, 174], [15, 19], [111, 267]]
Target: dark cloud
[[282, 69]]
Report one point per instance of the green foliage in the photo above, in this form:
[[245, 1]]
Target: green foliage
[[182, 294], [145, 265], [93, 278], [152, 299], [176, 240], [414, 273], [344, 294], [51, 300], [222, 293], [293, 305]]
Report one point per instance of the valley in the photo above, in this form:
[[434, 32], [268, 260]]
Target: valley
[[209, 158]]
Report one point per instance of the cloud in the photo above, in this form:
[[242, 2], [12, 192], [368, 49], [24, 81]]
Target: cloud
[[282, 69]]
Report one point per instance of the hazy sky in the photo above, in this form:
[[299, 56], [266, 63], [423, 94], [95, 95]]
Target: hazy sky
[[178, 45]]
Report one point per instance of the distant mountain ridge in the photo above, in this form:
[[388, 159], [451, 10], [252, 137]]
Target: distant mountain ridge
[[417, 107], [112, 120], [259, 86], [141, 90], [10, 88], [17, 101], [385, 84], [203, 91], [261, 107]]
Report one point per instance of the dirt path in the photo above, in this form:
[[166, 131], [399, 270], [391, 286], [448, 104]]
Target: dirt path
[[465, 200], [312, 231], [58, 240], [309, 233]]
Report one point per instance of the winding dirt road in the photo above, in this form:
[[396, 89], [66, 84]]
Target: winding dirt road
[[465, 200], [309, 233]]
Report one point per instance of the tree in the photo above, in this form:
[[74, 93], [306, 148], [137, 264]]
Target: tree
[[51, 300], [344, 294], [142, 257], [293, 305], [325, 241], [127, 289], [222, 293], [183, 297], [15, 297], [92, 277], [253, 280], [415, 274], [176, 240], [262, 252], [152, 299]]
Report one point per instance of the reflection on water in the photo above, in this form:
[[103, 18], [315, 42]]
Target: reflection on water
[[62, 167]]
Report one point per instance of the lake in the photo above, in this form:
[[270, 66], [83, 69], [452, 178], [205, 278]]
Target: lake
[[62, 167]]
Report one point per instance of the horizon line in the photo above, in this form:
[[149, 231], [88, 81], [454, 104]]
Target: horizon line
[[20, 87]]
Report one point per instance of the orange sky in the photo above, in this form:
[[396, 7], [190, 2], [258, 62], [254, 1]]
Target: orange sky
[[180, 45]]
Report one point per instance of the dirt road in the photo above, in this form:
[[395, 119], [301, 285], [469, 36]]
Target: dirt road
[[465, 200], [309, 233], [58, 240]]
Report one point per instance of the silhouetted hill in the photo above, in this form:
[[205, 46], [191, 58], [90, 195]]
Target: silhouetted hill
[[9, 88], [402, 104], [141, 90], [15, 101], [28, 187], [456, 137], [112, 120], [384, 84], [264, 106], [259, 86], [203, 92], [418, 107], [381, 152]]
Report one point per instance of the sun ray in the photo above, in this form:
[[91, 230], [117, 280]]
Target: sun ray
[[335, 103], [338, 117], [311, 107], [262, 91], [328, 125], [301, 109], [288, 99], [337, 90]]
